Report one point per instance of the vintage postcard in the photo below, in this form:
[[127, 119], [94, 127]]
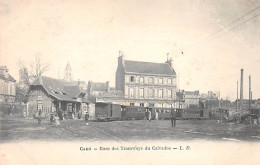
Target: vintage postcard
[[129, 82]]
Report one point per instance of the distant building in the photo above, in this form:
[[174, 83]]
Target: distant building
[[95, 89], [209, 96], [7, 86], [191, 99], [112, 96], [254, 103], [51, 95], [146, 84], [82, 85], [68, 73], [180, 95]]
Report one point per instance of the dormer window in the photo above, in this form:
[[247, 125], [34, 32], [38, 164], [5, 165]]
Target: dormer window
[[55, 92]]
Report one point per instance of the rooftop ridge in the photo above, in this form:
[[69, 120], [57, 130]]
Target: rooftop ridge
[[149, 62]]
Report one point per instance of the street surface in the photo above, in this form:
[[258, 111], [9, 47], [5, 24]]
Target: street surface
[[20, 129]]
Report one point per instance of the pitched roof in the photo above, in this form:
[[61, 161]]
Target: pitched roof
[[68, 67], [149, 68], [192, 92], [59, 89], [10, 78], [72, 90]]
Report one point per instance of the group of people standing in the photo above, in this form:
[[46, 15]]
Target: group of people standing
[[54, 118], [173, 116]]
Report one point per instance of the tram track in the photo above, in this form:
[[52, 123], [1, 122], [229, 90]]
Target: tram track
[[99, 129]]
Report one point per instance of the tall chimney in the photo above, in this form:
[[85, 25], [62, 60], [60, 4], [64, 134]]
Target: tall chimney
[[237, 97], [241, 89], [250, 97], [169, 60], [121, 60]]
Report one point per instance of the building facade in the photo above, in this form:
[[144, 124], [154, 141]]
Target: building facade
[[146, 84], [54, 95], [7, 86], [96, 89], [191, 99]]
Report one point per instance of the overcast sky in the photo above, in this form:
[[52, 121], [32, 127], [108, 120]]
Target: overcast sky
[[90, 33]]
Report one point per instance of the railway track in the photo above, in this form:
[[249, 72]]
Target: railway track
[[109, 134], [101, 130]]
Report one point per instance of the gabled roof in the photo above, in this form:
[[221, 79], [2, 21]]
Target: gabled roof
[[58, 89], [68, 67], [10, 78], [149, 68]]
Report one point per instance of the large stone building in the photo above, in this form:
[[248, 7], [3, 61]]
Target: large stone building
[[146, 84], [191, 99], [7, 86], [52, 95]]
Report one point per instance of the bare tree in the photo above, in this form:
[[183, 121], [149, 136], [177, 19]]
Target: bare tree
[[36, 69]]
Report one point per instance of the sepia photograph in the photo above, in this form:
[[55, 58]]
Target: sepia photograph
[[129, 82]]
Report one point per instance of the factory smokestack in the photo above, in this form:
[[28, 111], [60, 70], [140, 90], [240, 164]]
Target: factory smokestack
[[250, 92], [241, 89]]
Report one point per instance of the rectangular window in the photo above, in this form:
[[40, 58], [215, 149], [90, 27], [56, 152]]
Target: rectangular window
[[132, 78], [150, 79], [151, 92], [161, 93], [131, 92], [39, 103], [141, 104], [160, 80], [151, 104], [141, 79], [132, 104], [142, 92], [169, 93], [169, 81]]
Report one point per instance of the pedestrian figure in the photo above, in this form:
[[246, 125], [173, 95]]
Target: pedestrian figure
[[156, 115], [52, 118], [56, 121], [146, 114], [86, 118], [39, 117], [150, 115], [173, 117]]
